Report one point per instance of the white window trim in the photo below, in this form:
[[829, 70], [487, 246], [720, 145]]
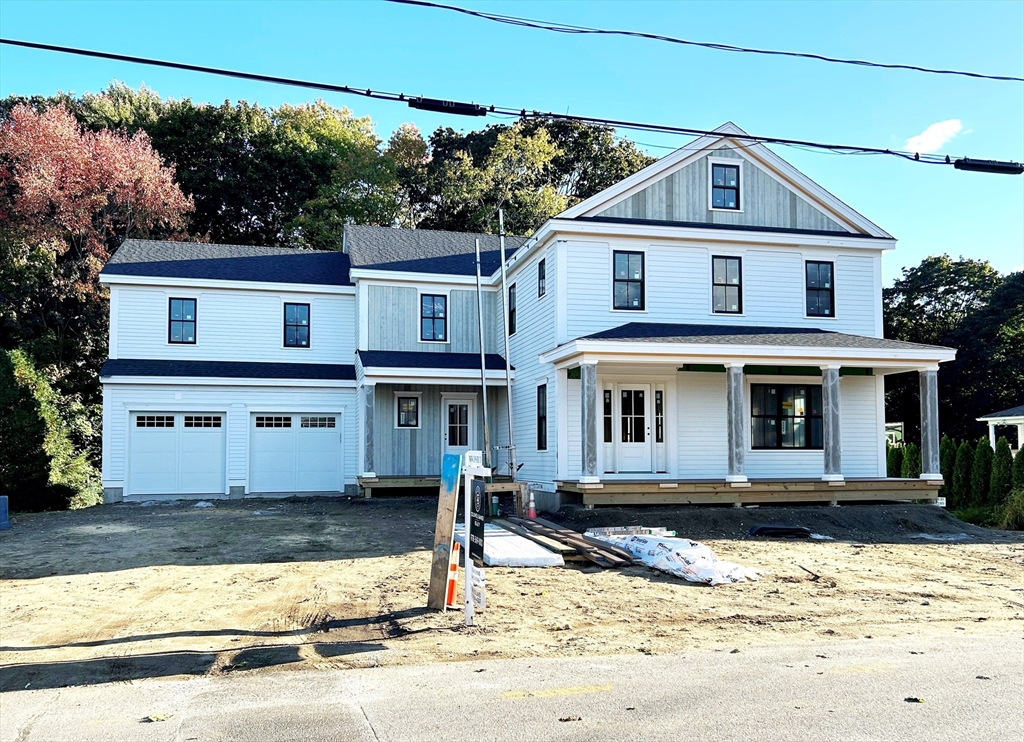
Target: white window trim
[[542, 382], [512, 289], [542, 259], [835, 313], [447, 294], [284, 301], [737, 162], [712, 254], [419, 411], [168, 295], [612, 249]]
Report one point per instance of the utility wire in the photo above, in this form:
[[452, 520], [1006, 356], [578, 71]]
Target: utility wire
[[567, 28], [474, 109]]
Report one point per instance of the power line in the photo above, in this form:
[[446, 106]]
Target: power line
[[473, 109], [567, 28]]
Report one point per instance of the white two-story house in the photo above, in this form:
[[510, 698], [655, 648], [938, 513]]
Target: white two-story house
[[707, 330]]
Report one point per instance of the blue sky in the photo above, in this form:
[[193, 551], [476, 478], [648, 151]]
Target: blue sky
[[930, 209]]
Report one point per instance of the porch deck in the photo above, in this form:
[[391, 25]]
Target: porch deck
[[368, 484], [757, 491]]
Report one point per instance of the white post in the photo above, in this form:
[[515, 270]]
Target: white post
[[588, 422], [992, 434], [831, 443], [368, 415], [467, 485], [508, 360], [930, 463], [735, 427], [1020, 437]]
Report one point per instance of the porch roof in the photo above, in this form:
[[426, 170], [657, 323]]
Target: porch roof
[[426, 366], [738, 343]]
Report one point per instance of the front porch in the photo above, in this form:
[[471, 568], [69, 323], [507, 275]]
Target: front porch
[[630, 492]]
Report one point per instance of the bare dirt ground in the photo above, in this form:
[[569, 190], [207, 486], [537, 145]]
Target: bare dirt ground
[[126, 592]]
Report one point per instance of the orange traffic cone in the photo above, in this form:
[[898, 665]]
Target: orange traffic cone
[[453, 576], [531, 511]]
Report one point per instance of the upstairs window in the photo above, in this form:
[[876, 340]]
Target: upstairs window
[[628, 281], [820, 289], [434, 317], [181, 323], [512, 309], [725, 186], [726, 285], [542, 417], [542, 278], [785, 416], [296, 325]]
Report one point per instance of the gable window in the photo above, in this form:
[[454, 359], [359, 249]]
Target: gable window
[[725, 186], [434, 317], [542, 417], [542, 278], [296, 325], [181, 323], [408, 411], [512, 309], [820, 289], [785, 416], [726, 285], [628, 280]]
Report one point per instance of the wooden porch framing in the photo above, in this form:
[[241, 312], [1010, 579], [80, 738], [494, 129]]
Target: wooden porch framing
[[629, 492]]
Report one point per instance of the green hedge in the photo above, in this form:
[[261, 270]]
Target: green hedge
[[981, 472]]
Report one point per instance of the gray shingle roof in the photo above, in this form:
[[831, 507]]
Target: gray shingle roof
[[425, 250], [1012, 412], [809, 337], [227, 369], [229, 262], [420, 359]]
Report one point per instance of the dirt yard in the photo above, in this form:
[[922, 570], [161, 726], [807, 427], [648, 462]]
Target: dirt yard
[[125, 592]]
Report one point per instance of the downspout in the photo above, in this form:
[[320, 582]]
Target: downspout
[[504, 323], [483, 359]]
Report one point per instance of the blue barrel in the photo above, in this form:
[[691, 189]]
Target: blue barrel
[[5, 521]]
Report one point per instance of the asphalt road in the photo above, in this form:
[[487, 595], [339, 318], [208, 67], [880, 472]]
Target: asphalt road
[[826, 690]]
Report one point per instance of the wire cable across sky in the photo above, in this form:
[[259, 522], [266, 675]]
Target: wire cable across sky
[[567, 28]]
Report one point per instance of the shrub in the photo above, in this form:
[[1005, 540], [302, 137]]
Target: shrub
[[1001, 480], [981, 472], [1018, 468], [1013, 512], [947, 460], [894, 462], [39, 466], [962, 475], [911, 462]]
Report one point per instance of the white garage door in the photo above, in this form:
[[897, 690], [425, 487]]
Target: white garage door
[[176, 454], [295, 453]]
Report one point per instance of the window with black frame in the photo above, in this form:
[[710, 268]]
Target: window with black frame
[[434, 317], [408, 412], [181, 322], [727, 285], [785, 416], [542, 417], [628, 281], [512, 309], [725, 186], [820, 289], [542, 278], [296, 325]]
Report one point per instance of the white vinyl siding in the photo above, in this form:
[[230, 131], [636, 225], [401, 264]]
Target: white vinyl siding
[[701, 428], [859, 426]]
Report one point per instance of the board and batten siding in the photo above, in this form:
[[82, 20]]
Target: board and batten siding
[[682, 196], [232, 325], [678, 287], [236, 403], [394, 319], [418, 451]]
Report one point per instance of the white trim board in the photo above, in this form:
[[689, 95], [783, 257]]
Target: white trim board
[[211, 283]]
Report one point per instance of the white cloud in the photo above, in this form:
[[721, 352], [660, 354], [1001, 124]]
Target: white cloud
[[933, 138]]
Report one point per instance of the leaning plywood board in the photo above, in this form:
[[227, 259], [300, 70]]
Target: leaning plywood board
[[447, 504], [505, 549]]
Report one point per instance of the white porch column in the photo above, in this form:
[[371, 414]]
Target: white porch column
[[1020, 437], [734, 422], [930, 466], [831, 443], [369, 400], [991, 426], [589, 416]]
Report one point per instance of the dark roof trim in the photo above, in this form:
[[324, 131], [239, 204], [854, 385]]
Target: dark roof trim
[[428, 360], [227, 369], [1012, 412], [727, 227]]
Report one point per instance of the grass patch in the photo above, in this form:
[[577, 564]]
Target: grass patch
[[1009, 516]]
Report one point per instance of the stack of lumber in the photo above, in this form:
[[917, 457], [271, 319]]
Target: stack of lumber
[[570, 544]]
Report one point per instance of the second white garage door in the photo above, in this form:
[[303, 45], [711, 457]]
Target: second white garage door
[[295, 453]]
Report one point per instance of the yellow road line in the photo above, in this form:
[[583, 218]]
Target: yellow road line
[[549, 692]]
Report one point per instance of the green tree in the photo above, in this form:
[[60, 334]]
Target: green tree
[[911, 468], [981, 472], [962, 475], [947, 460], [1018, 468], [1001, 479], [894, 462]]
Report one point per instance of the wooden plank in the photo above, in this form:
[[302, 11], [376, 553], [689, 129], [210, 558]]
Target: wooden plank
[[548, 543], [444, 531], [598, 554]]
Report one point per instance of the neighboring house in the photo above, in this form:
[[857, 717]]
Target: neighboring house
[[709, 329], [1011, 417]]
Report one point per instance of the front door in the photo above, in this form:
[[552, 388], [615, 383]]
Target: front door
[[457, 425], [634, 454]]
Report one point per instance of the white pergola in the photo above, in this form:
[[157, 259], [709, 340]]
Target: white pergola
[[1013, 416]]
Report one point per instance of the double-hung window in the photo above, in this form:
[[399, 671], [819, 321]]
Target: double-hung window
[[512, 309], [434, 317], [785, 416], [727, 285], [628, 280], [725, 186], [542, 417], [181, 323], [296, 325], [820, 289], [542, 278]]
